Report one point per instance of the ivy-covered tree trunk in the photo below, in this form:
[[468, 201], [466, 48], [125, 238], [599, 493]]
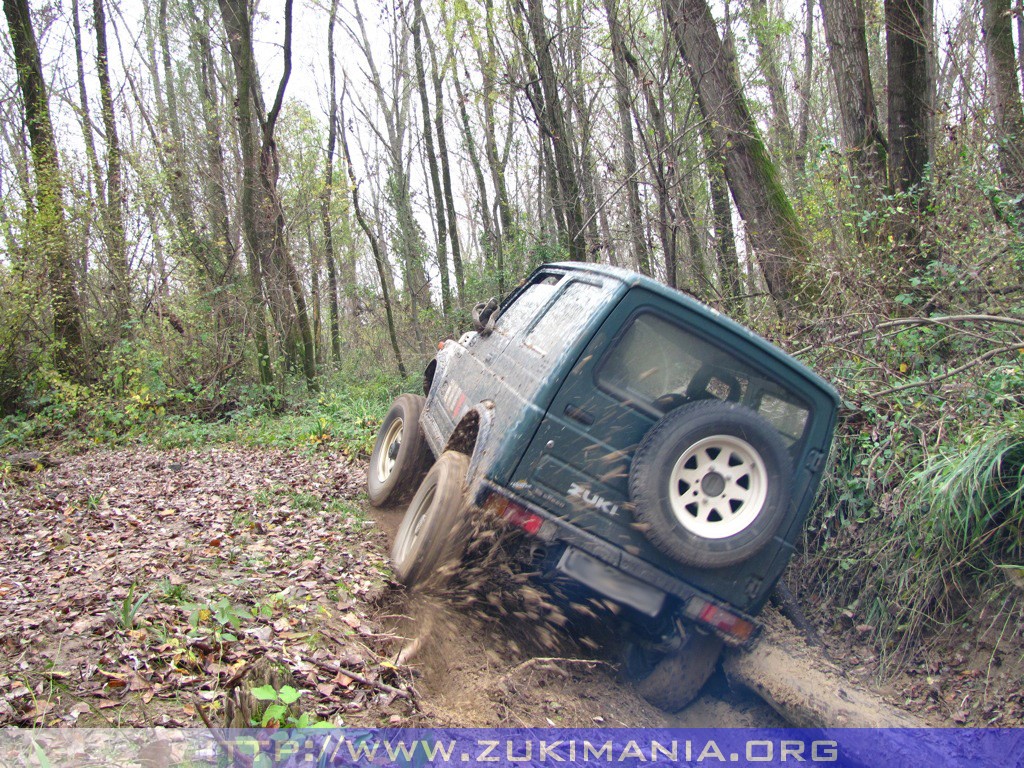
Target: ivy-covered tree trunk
[[774, 232], [48, 227]]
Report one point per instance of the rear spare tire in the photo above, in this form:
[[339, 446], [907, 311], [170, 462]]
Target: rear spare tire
[[710, 483], [433, 531], [400, 455]]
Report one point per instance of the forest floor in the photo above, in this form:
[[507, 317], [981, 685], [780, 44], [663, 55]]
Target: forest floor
[[141, 587]]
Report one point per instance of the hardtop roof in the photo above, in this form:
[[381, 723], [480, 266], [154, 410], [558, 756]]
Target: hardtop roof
[[635, 279]]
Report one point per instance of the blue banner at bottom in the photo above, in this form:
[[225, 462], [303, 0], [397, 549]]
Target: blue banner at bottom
[[512, 748]]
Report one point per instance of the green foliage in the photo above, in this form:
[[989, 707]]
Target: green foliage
[[218, 619], [279, 710], [128, 609]]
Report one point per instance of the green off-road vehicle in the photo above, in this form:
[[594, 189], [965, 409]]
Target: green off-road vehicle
[[655, 452]]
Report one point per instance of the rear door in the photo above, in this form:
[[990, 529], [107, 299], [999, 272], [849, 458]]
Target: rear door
[[650, 356]]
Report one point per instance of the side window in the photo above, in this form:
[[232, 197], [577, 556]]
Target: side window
[[517, 315], [562, 324]]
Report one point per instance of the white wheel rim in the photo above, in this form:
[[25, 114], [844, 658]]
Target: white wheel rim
[[389, 447], [718, 487], [407, 543]]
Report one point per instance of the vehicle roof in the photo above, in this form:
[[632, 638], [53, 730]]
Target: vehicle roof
[[635, 279]]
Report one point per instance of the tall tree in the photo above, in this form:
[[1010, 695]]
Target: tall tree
[[262, 212], [1004, 91], [846, 37], [440, 214], [547, 105], [908, 35], [623, 102], [113, 207], [767, 40], [772, 226], [47, 222], [379, 258], [325, 200], [446, 174]]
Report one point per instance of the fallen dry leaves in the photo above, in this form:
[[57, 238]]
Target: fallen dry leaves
[[136, 585]]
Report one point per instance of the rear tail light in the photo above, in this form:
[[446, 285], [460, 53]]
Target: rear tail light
[[708, 613], [513, 514]]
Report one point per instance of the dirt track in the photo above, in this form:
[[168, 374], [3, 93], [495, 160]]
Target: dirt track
[[472, 671]]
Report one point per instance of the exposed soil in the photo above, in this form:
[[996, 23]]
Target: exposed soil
[[481, 665]]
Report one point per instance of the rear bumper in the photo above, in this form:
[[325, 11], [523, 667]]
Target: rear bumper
[[557, 529]]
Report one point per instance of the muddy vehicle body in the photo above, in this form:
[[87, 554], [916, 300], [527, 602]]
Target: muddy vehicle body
[[656, 452]]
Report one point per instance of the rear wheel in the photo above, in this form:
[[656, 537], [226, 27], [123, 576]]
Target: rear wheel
[[433, 531], [400, 456], [671, 681]]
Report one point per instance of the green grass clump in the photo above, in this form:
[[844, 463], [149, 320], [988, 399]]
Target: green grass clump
[[952, 534]]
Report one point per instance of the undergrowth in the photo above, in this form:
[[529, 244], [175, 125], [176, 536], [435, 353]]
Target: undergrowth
[[343, 416]]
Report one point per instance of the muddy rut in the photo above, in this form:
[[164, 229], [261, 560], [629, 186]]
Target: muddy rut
[[476, 668]]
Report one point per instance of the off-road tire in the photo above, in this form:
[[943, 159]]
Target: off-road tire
[[400, 454], [675, 680], [433, 532], [710, 483]]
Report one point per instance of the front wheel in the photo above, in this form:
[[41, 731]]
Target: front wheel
[[671, 681], [433, 533], [400, 454]]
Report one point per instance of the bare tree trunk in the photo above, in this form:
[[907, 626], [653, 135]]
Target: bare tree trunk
[[113, 210], [215, 181], [378, 255], [446, 175], [181, 195], [846, 36], [620, 54], [768, 64], [908, 35], [1004, 91], [781, 249], [48, 220], [1019, 13], [494, 159], [800, 151], [440, 214], [725, 237], [492, 239], [83, 97], [556, 128], [325, 200], [237, 25]]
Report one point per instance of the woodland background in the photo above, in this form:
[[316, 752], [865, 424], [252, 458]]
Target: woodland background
[[192, 252]]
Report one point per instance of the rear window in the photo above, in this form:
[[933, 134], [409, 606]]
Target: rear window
[[660, 365]]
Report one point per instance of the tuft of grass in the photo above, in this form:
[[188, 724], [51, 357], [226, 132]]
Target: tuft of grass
[[957, 524], [129, 608]]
